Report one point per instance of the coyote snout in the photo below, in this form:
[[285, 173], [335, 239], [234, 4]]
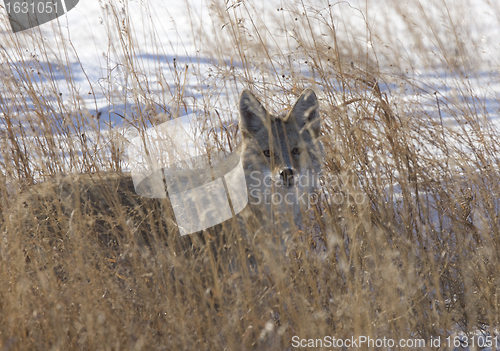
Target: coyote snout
[[286, 175]]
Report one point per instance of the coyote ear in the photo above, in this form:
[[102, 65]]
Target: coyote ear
[[305, 112], [253, 116]]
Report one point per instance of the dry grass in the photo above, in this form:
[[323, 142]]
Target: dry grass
[[413, 189]]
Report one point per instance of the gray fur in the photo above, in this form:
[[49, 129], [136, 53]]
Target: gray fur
[[282, 135]]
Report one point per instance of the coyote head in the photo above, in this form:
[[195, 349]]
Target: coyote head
[[281, 155]]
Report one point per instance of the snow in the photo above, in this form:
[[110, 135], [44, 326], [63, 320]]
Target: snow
[[171, 48], [160, 31]]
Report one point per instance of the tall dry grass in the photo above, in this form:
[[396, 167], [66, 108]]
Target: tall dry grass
[[411, 187]]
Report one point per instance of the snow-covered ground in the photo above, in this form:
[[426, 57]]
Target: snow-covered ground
[[166, 36], [110, 59]]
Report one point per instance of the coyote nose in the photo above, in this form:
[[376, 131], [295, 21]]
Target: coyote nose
[[286, 175]]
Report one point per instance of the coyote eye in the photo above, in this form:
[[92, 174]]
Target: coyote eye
[[295, 151], [267, 153]]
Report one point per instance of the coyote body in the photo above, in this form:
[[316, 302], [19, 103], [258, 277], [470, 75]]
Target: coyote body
[[281, 158]]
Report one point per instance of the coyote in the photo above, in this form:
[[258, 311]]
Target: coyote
[[281, 158]]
